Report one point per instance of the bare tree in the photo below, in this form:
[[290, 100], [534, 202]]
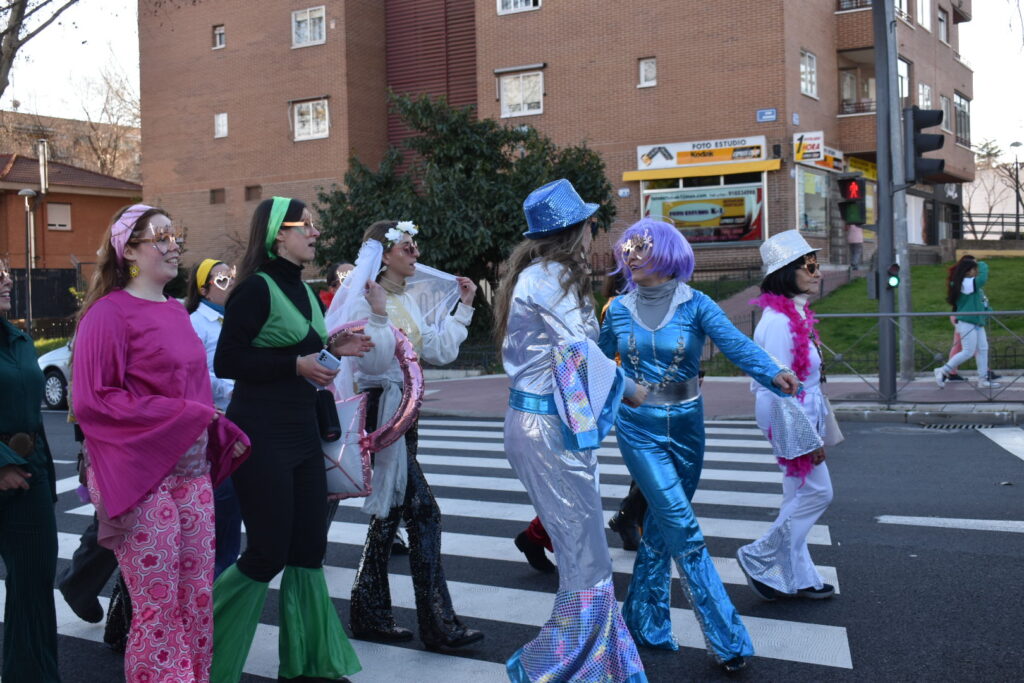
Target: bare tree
[[20, 22], [112, 116], [992, 186]]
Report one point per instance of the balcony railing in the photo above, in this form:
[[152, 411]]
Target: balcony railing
[[843, 5], [861, 107], [963, 140]]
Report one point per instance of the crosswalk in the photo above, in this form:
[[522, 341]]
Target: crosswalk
[[493, 588]]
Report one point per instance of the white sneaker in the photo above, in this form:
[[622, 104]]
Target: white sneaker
[[988, 384], [940, 377]]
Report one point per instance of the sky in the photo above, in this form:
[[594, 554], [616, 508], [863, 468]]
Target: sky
[[52, 68]]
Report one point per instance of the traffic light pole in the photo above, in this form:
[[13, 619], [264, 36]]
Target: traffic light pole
[[885, 47]]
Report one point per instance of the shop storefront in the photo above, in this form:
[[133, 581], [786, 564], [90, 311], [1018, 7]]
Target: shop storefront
[[712, 190], [816, 163]]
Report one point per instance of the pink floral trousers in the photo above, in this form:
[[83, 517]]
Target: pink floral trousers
[[166, 560]]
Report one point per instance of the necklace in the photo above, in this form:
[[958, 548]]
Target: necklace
[[677, 357]]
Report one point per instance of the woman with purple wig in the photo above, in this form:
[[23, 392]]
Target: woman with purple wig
[[658, 328]]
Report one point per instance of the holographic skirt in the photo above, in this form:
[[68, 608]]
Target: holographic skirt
[[585, 640]]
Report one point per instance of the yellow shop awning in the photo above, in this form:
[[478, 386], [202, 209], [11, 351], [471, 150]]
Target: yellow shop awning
[[709, 169]]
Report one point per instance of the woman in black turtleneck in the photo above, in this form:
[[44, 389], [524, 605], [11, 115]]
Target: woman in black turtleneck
[[273, 331]]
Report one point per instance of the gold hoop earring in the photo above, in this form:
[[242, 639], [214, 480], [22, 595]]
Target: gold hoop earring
[[133, 271]]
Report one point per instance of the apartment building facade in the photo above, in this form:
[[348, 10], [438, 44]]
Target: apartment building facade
[[732, 123]]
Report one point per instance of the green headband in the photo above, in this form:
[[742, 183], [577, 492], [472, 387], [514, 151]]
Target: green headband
[[277, 213]]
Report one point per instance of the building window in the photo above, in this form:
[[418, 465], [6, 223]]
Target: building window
[[962, 108], [58, 216], [220, 39], [648, 72], [311, 120], [947, 114], [220, 125], [902, 9], [308, 27], [942, 17], [924, 96], [808, 73], [924, 13], [903, 79], [218, 196], [253, 193], [522, 94], [512, 6]]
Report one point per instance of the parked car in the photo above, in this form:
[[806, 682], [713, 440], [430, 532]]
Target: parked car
[[56, 369]]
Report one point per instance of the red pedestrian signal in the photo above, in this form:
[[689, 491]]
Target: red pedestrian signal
[[853, 207]]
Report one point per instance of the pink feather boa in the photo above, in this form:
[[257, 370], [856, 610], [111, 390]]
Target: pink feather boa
[[801, 330]]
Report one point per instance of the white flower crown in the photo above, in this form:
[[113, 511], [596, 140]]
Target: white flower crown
[[397, 233]]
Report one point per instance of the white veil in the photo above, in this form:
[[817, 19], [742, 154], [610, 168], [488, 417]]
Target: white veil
[[343, 307]]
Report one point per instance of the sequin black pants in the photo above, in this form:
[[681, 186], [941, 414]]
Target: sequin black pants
[[371, 594]]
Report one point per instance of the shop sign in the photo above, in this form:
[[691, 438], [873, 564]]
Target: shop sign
[[701, 152], [865, 168], [711, 214], [809, 148]]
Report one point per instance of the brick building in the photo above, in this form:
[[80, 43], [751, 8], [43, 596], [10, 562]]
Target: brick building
[[730, 122]]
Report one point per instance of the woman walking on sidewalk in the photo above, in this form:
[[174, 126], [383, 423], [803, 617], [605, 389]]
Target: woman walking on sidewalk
[[658, 328], [778, 564], [565, 394], [965, 293]]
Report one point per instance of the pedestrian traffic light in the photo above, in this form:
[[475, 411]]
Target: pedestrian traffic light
[[916, 143], [853, 207], [893, 279]]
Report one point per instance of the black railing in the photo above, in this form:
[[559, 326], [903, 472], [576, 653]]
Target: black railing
[[861, 107], [853, 4]]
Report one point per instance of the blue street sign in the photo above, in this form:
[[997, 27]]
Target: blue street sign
[[767, 115]]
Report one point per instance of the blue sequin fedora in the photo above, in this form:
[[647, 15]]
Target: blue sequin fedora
[[554, 207]]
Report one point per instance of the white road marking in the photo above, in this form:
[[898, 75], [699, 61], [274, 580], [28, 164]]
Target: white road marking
[[1010, 438], [1007, 525]]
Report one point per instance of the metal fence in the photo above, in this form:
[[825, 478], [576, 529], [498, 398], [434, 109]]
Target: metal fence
[[994, 226], [51, 293]]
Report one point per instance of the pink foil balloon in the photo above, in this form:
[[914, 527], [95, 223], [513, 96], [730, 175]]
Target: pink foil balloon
[[412, 391]]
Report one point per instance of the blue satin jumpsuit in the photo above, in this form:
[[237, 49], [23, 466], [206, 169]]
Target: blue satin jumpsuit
[[663, 447]]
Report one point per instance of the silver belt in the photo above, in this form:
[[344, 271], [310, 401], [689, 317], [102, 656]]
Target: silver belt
[[674, 392]]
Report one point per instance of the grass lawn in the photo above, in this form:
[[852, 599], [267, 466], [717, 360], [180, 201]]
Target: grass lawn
[[47, 345], [1005, 290]]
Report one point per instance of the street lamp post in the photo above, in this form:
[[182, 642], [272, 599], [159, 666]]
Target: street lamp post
[[28, 195], [1016, 190]]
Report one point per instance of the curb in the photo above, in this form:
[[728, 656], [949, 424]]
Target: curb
[[927, 417]]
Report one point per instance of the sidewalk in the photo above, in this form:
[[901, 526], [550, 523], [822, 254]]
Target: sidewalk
[[922, 402]]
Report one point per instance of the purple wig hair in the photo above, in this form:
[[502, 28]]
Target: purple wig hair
[[671, 255]]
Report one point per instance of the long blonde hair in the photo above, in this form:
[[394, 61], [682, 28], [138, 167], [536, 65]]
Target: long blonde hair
[[109, 274], [564, 248]]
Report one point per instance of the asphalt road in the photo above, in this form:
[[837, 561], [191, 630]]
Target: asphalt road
[[915, 602]]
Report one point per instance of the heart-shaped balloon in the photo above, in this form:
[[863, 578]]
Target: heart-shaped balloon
[[347, 478]]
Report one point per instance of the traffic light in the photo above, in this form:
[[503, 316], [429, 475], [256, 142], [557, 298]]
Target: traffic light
[[916, 143], [893, 278], [853, 207]]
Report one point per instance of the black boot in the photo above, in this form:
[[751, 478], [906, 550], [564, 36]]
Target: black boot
[[626, 530], [534, 554]]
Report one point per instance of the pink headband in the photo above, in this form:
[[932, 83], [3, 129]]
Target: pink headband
[[122, 228]]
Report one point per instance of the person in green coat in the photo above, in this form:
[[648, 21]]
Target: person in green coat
[[966, 294], [28, 527]]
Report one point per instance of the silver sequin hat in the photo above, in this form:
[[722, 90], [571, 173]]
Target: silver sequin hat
[[554, 207], [782, 249]]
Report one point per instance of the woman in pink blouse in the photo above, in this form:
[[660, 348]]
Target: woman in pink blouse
[[141, 393]]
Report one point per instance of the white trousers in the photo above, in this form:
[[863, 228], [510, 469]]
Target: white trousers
[[974, 343], [780, 558]]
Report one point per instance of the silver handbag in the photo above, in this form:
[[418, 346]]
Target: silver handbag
[[792, 433]]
